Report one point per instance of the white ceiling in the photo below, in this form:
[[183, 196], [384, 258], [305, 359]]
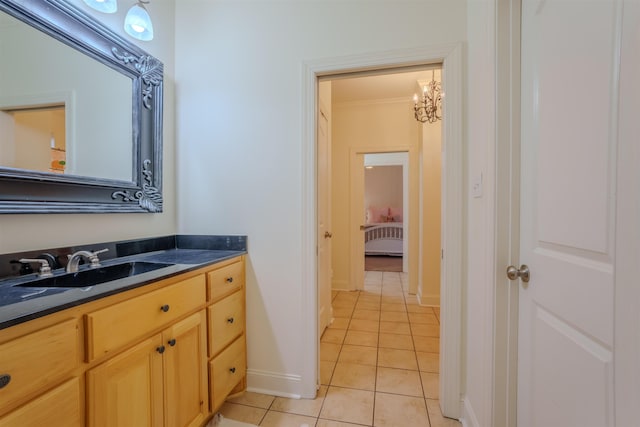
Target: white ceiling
[[376, 87]]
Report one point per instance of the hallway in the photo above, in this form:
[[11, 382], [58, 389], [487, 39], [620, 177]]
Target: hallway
[[379, 366]]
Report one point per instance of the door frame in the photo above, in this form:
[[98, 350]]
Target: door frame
[[453, 197]]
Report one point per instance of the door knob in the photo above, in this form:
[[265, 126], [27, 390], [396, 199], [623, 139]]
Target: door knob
[[523, 273], [327, 235]]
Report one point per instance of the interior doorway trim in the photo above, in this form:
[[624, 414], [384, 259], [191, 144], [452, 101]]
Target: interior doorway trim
[[453, 224]]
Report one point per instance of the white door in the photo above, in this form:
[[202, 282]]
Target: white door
[[324, 224], [569, 121]]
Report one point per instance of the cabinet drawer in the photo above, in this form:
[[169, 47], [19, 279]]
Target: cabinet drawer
[[226, 321], [225, 280], [226, 371], [37, 360], [115, 326], [60, 407]]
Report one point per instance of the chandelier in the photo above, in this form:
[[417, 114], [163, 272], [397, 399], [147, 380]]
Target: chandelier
[[429, 108]]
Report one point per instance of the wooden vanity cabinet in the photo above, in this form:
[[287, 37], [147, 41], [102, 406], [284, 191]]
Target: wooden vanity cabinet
[[227, 339], [158, 382], [38, 368], [163, 355]]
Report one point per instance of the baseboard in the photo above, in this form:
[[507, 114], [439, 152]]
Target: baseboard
[[468, 416], [428, 300], [341, 285], [273, 383]]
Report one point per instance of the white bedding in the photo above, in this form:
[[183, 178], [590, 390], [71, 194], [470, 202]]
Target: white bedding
[[383, 239]]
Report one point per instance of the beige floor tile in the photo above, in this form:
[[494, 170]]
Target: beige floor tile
[[372, 289], [401, 359], [340, 323], [348, 405], [368, 297], [329, 351], [420, 309], [393, 316], [423, 318], [358, 354], [369, 339], [399, 381], [342, 303], [326, 371], [393, 307], [281, 419], [430, 385], [335, 336], [307, 407], [392, 299], [366, 314], [351, 375], [436, 418], [427, 344], [347, 296], [242, 413], [367, 305], [394, 411], [428, 362], [422, 330], [329, 423], [401, 328], [402, 342], [342, 312], [257, 400], [364, 325]]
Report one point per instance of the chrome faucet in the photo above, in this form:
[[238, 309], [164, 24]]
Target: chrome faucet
[[74, 260]]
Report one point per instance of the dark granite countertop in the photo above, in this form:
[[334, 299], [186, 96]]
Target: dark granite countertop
[[184, 253]]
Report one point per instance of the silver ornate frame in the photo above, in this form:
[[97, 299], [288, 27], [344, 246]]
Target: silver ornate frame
[[23, 191]]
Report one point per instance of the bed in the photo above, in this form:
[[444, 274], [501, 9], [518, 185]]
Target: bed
[[383, 239]]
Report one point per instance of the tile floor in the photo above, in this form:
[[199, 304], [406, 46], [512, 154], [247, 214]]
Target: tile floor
[[379, 366]]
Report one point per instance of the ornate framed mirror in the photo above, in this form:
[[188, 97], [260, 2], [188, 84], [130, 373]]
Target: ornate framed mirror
[[104, 96]]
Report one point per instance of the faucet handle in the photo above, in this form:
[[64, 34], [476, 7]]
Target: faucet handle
[[95, 261], [45, 269]]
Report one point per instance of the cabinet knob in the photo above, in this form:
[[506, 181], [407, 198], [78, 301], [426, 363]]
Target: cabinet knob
[[5, 379], [232, 370], [172, 342], [160, 349], [229, 279], [230, 320], [165, 308]]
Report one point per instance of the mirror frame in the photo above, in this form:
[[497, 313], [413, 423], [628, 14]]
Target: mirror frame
[[26, 191]]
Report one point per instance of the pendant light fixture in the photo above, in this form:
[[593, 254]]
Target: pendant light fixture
[[429, 107], [104, 6], [137, 23]]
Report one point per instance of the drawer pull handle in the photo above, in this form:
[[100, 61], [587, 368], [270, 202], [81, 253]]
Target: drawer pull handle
[[232, 370], [229, 279], [165, 308], [172, 342], [160, 349], [5, 379], [230, 320]]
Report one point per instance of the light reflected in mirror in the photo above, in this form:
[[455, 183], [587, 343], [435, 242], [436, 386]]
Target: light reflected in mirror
[[61, 111]]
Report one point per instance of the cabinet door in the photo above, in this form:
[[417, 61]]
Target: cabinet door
[[60, 407], [126, 391], [186, 392]]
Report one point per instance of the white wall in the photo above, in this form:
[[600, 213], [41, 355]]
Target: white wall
[[480, 215], [383, 188], [239, 66], [30, 232]]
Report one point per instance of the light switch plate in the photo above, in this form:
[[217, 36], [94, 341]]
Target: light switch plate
[[476, 186]]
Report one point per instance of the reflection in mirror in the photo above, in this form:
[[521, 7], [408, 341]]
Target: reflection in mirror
[[94, 103], [96, 145]]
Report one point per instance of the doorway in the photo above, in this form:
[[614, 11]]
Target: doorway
[[450, 55], [386, 205]]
